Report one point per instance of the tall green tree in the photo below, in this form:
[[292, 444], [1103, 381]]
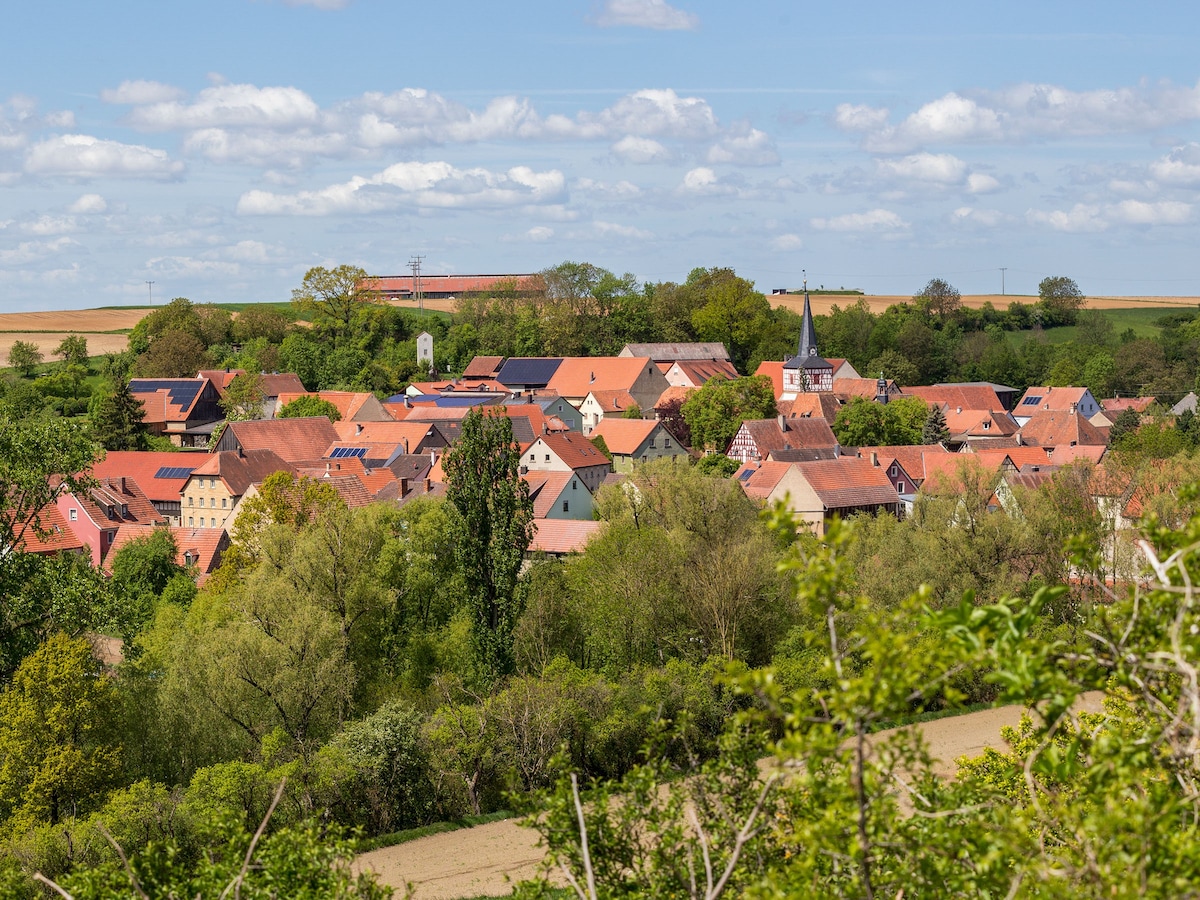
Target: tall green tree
[[493, 525], [117, 418], [54, 756], [244, 398], [334, 297], [1060, 300], [73, 350], [716, 411], [307, 406]]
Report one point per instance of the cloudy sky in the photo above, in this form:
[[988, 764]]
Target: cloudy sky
[[221, 148]]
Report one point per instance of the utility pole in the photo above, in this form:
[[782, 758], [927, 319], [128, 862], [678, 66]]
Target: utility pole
[[414, 263], [150, 284], [1003, 269]]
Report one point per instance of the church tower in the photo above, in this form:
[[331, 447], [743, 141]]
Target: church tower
[[807, 371]]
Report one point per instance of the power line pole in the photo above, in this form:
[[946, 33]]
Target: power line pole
[[1003, 269], [414, 263], [150, 284]]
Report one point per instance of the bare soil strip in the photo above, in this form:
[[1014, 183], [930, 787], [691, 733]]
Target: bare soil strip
[[488, 859]]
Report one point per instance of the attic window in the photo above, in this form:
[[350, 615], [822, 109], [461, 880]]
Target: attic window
[[73, 515]]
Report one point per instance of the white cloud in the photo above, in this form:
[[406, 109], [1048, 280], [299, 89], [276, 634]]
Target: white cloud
[[754, 148], [48, 226], [88, 204], [851, 117], [981, 218], [250, 252], [432, 185], [84, 156], [656, 14], [33, 251], [621, 190], [139, 93], [224, 105], [1136, 212], [539, 234], [939, 169], [1080, 218], [703, 181], [872, 220], [640, 150], [1179, 167], [787, 242], [264, 148], [1021, 112], [180, 267], [978, 183]]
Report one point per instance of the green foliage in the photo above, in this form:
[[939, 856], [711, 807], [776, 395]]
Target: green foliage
[[717, 465], [939, 297], [54, 753], [601, 444], [1061, 299], [25, 357], [934, 431], [865, 423], [243, 398], [335, 298], [306, 406], [716, 411], [141, 570], [73, 350], [492, 526], [174, 354]]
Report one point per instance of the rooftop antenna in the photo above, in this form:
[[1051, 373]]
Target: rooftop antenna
[[150, 284], [414, 263]]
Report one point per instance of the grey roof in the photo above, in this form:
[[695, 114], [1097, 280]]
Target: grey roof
[[673, 352], [808, 333], [1188, 402], [528, 371]]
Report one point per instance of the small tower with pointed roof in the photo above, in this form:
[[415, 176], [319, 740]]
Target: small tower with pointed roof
[[807, 371]]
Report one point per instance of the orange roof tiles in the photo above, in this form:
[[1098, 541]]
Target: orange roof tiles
[[292, 439], [1056, 427], [48, 533], [545, 488], [574, 450], [624, 436], [561, 536], [483, 367], [773, 370], [613, 401], [239, 470], [579, 376], [758, 480], [848, 482], [975, 396], [144, 465], [199, 547]]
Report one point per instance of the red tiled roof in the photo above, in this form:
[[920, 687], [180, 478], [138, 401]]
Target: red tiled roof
[[810, 405], [239, 470], [911, 458], [574, 450], [545, 488], [867, 388], [698, 371], [624, 436], [848, 482], [579, 376], [674, 392], [409, 434], [348, 403], [1052, 398], [350, 488], [759, 479], [613, 401], [1119, 404], [1060, 428], [563, 535], [974, 396], [143, 465], [199, 547], [483, 367], [773, 370], [125, 497], [801, 434], [52, 533], [292, 439], [221, 378]]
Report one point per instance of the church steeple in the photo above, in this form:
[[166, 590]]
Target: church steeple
[[808, 334]]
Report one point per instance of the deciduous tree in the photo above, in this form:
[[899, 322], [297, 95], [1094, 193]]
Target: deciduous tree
[[493, 525], [25, 357]]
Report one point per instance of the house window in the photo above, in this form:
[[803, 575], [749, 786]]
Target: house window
[[566, 505], [893, 472], [223, 501], [212, 483], [191, 522], [547, 457], [74, 514], [532, 457], [190, 501], [666, 443], [900, 488], [574, 484]]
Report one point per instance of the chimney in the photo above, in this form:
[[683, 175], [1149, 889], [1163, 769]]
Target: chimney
[[407, 405], [403, 487], [326, 470], [404, 446], [357, 428], [591, 378], [874, 459], [123, 484], [428, 485], [432, 457], [1074, 408], [545, 427], [782, 422]]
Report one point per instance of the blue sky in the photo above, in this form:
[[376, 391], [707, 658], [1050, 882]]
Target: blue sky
[[220, 149]]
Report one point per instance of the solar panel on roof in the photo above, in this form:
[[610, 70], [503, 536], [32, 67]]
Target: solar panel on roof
[[1031, 401], [181, 391], [347, 452], [745, 476], [174, 472], [528, 370]]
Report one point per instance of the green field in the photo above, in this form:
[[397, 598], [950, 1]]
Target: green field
[[1141, 319]]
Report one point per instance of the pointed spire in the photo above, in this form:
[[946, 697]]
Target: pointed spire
[[808, 334]]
